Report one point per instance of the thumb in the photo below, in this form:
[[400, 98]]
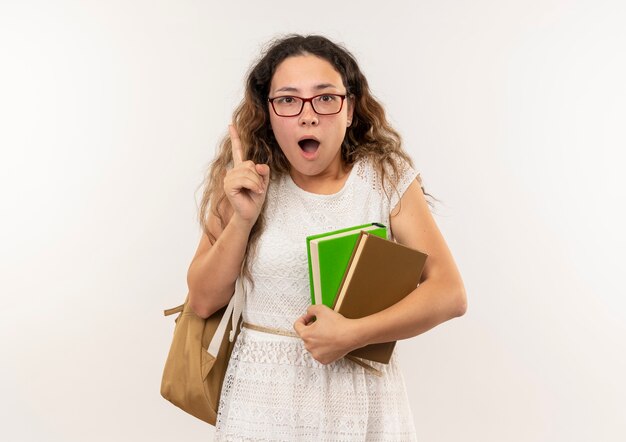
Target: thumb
[[264, 171]]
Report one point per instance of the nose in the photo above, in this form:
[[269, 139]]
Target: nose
[[308, 115]]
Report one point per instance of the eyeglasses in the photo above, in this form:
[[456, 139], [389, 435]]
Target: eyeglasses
[[323, 104]]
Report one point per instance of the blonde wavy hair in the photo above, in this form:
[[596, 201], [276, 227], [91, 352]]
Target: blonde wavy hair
[[369, 136]]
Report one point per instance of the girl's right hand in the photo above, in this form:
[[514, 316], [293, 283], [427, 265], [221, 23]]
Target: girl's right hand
[[245, 185]]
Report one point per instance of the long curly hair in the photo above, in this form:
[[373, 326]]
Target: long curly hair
[[368, 136]]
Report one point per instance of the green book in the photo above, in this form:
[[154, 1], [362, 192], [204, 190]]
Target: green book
[[329, 254]]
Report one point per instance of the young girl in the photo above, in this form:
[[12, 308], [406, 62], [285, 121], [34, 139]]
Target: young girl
[[310, 151]]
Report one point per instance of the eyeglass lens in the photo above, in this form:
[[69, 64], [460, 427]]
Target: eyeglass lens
[[323, 105]]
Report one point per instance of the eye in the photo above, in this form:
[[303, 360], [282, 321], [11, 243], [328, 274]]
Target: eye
[[327, 98], [285, 100]]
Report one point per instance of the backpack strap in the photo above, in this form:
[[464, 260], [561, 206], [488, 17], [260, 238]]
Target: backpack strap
[[238, 301], [171, 311], [232, 313]]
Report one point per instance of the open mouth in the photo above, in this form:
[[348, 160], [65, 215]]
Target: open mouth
[[309, 145]]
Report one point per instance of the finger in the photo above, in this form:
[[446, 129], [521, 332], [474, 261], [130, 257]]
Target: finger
[[299, 326], [316, 309], [308, 318], [251, 183], [238, 176], [235, 143], [264, 171], [244, 170]]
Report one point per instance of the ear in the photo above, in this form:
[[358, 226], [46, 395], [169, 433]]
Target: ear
[[350, 104]]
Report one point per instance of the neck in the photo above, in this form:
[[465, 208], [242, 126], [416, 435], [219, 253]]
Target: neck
[[329, 181]]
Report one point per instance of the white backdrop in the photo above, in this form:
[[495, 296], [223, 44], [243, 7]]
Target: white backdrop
[[513, 111]]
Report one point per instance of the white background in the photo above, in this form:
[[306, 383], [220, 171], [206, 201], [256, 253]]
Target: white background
[[514, 112]]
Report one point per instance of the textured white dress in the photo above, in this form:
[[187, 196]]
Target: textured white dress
[[274, 390]]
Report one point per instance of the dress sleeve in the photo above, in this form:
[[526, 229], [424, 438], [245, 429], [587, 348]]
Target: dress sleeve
[[405, 176]]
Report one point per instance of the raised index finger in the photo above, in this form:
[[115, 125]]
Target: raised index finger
[[236, 145]]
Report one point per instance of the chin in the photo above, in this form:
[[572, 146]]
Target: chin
[[308, 168]]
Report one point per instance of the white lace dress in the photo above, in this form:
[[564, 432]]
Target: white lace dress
[[274, 390]]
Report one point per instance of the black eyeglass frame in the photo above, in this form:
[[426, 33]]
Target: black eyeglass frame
[[307, 100]]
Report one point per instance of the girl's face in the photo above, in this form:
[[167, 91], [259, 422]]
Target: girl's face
[[306, 76]]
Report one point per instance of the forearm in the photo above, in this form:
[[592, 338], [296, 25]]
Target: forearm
[[429, 305], [212, 274]]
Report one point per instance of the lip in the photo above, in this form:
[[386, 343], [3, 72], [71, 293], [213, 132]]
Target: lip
[[313, 155], [309, 137]]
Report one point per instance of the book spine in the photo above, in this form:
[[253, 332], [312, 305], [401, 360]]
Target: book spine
[[338, 299]]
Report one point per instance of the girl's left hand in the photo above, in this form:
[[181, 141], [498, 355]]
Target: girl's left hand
[[330, 336]]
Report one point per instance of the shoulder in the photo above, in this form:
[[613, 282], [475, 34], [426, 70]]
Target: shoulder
[[392, 168], [390, 177]]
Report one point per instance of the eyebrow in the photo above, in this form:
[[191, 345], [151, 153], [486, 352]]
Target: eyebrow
[[318, 87]]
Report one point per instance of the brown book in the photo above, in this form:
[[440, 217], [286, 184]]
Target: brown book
[[380, 273]]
